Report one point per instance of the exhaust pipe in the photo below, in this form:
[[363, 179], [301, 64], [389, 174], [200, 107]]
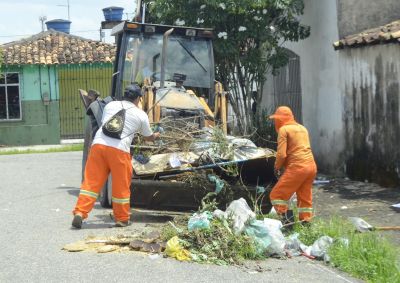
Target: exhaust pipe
[[138, 11], [164, 56]]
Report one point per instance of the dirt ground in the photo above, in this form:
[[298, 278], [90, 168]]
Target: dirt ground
[[369, 201]]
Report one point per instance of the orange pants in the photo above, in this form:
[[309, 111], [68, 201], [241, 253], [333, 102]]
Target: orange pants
[[299, 180], [101, 160]]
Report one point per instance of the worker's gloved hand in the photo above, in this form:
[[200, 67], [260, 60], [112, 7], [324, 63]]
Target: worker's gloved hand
[[278, 173], [159, 129]]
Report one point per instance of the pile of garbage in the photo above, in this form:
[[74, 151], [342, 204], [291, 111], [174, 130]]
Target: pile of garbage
[[185, 148], [264, 237], [220, 237]]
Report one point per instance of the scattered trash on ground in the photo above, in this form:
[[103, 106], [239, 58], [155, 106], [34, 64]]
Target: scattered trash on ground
[[175, 249], [200, 220], [238, 236], [321, 180], [363, 226], [148, 242], [396, 207]]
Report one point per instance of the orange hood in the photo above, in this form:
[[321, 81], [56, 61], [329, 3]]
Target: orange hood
[[283, 116]]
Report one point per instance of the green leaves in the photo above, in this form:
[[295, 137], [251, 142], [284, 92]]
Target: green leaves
[[248, 38]]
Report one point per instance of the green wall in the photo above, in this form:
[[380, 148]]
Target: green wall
[[40, 123], [70, 79], [51, 106]]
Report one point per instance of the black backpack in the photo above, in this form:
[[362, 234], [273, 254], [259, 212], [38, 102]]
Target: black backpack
[[115, 125]]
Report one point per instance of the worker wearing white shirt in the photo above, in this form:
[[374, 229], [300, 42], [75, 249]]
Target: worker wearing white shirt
[[109, 154]]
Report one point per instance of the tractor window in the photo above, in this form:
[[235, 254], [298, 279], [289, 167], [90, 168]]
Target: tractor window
[[188, 56]]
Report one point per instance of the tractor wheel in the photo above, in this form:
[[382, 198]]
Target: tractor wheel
[[87, 142], [105, 194]]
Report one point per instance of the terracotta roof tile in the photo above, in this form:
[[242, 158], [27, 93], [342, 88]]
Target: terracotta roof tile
[[53, 47], [380, 35]]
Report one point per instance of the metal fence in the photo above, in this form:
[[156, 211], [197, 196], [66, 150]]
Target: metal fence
[[70, 79]]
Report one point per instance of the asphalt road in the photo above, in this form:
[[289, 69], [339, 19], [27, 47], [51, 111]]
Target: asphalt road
[[38, 192]]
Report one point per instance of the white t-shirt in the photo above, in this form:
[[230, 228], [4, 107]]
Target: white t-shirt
[[136, 121]]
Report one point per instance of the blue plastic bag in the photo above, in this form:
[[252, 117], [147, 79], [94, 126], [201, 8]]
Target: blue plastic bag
[[257, 230], [219, 184], [200, 221]]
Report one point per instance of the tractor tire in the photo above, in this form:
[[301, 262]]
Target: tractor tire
[[87, 143], [105, 194]]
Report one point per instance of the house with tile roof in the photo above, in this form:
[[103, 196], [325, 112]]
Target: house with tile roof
[[39, 81], [344, 81]]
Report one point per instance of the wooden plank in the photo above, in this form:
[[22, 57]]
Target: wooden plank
[[223, 113], [150, 103], [157, 113]]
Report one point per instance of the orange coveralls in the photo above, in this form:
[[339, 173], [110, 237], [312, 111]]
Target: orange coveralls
[[294, 154], [101, 161]]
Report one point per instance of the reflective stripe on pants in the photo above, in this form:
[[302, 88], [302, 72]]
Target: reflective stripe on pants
[[297, 180], [101, 161]]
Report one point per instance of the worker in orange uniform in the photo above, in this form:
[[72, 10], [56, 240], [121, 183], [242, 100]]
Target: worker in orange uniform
[[112, 154], [295, 156]]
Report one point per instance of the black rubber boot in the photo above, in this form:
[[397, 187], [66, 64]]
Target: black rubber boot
[[77, 221], [288, 220], [122, 223]]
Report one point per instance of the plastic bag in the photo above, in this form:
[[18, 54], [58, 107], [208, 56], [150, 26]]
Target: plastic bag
[[320, 246], [273, 224], [200, 221], [219, 184], [175, 250], [218, 213], [360, 224], [257, 230], [293, 245], [277, 239], [240, 212]]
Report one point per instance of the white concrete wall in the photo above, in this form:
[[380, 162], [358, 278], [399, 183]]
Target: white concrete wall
[[321, 92], [370, 83]]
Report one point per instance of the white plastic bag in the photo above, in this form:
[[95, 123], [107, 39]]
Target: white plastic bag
[[320, 246], [218, 213], [278, 241], [240, 213]]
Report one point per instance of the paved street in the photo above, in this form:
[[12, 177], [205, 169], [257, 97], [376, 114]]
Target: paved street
[[38, 192]]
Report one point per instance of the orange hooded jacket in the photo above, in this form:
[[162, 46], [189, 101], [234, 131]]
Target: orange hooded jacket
[[294, 148]]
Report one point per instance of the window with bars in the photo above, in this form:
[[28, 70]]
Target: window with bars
[[10, 99]]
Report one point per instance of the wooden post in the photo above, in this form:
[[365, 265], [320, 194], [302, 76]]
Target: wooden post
[[150, 102], [223, 113], [157, 113]]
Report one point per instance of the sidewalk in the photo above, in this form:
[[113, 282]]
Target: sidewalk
[[63, 143]]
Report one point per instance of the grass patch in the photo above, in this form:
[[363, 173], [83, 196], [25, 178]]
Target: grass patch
[[72, 147], [368, 256]]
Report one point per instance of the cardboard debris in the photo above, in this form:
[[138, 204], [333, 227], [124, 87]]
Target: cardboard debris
[[149, 243], [107, 248]]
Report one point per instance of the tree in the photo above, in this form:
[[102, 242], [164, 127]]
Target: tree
[[248, 43]]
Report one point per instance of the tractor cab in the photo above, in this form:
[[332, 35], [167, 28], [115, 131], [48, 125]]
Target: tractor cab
[[175, 67], [186, 57]]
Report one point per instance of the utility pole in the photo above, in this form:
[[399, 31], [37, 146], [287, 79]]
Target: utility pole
[[42, 19], [67, 8]]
